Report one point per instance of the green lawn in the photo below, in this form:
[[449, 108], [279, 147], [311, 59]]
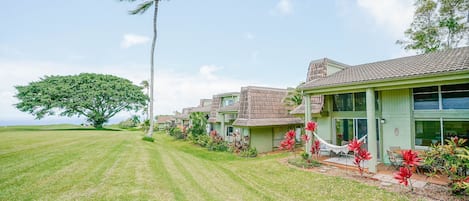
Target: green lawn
[[44, 163]]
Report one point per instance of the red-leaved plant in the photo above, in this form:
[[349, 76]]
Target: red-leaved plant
[[315, 148], [359, 153], [288, 142], [410, 159], [311, 126]]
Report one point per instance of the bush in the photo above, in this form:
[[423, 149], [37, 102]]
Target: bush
[[149, 139], [301, 163], [176, 132], [126, 124], [451, 159], [251, 152], [202, 140]]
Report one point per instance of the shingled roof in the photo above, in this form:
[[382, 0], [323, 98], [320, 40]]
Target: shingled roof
[[164, 119], [185, 113], [447, 61], [216, 104], [205, 105], [230, 108], [317, 69], [262, 106]]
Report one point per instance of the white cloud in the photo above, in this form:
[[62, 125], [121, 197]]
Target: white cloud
[[393, 15], [173, 90], [130, 40], [207, 71], [283, 7]]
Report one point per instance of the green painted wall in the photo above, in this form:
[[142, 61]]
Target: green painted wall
[[397, 112], [261, 139]]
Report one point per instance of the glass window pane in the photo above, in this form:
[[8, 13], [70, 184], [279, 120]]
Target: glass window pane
[[342, 102], [455, 100], [455, 96], [360, 101], [455, 87], [427, 133], [426, 101], [425, 89], [456, 128], [344, 131]]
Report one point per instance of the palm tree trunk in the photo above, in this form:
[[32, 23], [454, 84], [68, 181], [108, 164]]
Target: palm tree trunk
[[152, 77]]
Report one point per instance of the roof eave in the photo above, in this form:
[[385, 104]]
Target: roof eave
[[389, 83]]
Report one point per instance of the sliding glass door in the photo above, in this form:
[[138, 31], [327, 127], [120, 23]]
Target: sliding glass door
[[347, 129]]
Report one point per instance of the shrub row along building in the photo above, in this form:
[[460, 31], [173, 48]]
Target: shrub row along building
[[410, 102]]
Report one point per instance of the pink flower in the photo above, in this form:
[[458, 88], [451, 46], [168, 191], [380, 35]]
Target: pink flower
[[315, 147], [305, 138], [410, 157], [403, 175], [288, 142], [354, 145], [311, 126], [364, 154]]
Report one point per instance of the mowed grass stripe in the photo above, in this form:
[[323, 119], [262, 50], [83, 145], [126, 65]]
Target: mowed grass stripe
[[162, 175], [70, 168], [40, 164], [215, 180]]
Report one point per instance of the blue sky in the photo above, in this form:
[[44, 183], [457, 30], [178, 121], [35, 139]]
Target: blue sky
[[204, 47]]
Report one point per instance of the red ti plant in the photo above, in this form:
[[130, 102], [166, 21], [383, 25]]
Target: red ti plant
[[288, 143], [311, 126], [315, 148], [410, 159], [359, 153]]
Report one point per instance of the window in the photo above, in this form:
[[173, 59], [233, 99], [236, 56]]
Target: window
[[229, 131], [343, 102], [360, 101], [228, 102], [429, 132], [455, 96], [352, 102], [426, 98], [441, 97], [456, 128]]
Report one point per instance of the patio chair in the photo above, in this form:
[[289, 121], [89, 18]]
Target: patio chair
[[395, 159]]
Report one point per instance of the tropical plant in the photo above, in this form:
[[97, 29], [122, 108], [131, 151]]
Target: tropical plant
[[359, 153], [142, 8], [410, 161], [97, 97], [198, 124], [288, 143], [451, 159], [294, 97], [437, 24]]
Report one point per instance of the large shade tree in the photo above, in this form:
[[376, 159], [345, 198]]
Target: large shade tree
[[437, 25], [141, 8], [97, 97]]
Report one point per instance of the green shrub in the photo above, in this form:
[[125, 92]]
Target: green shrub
[[251, 152], [203, 140], [451, 159], [301, 163], [149, 139]]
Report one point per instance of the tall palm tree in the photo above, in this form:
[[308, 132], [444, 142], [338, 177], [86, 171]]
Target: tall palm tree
[[142, 8], [146, 86]]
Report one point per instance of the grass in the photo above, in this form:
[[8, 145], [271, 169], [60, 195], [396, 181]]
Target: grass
[[40, 163]]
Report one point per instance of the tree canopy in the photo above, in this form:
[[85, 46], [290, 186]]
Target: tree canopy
[[98, 97], [437, 24]]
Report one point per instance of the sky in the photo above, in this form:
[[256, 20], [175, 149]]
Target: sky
[[203, 48]]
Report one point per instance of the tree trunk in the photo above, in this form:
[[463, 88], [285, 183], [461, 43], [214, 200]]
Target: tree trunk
[[152, 79]]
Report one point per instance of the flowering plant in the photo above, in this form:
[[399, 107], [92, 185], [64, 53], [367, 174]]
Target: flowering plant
[[410, 159], [359, 153], [288, 143], [311, 126]]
